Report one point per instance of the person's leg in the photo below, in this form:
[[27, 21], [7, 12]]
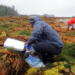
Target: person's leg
[[72, 26], [68, 26], [45, 50]]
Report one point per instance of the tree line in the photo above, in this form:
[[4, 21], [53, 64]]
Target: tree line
[[8, 11]]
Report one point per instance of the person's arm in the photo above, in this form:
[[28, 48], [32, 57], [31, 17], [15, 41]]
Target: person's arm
[[37, 30]]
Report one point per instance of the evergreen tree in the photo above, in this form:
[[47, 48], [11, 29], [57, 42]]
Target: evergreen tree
[[7, 11]]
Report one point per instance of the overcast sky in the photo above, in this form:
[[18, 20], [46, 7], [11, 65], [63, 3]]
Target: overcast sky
[[60, 8]]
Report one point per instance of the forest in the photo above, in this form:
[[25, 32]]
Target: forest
[[8, 11]]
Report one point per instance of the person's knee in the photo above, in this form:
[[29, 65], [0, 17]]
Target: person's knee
[[35, 46]]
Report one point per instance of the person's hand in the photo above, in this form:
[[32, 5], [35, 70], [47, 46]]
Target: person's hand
[[28, 46]]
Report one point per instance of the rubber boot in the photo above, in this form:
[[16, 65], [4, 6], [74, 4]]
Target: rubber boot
[[44, 58]]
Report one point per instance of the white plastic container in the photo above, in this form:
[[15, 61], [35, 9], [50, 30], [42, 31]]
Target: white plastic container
[[13, 43]]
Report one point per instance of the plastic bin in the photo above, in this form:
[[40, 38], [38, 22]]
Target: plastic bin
[[13, 43]]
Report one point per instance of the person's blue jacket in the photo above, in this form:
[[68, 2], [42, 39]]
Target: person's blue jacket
[[42, 32]]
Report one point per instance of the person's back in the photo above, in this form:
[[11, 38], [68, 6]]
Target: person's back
[[45, 33], [49, 35], [72, 21]]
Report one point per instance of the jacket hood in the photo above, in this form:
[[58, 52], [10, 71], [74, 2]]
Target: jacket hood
[[37, 19]]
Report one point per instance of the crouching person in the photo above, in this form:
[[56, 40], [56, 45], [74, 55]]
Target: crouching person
[[46, 41]]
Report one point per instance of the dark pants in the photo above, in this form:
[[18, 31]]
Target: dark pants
[[70, 25], [46, 50]]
